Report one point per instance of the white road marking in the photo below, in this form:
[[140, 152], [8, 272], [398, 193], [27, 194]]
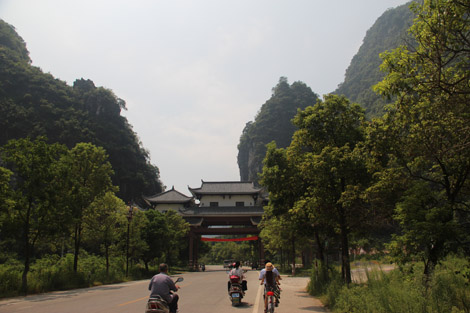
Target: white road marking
[[257, 300]]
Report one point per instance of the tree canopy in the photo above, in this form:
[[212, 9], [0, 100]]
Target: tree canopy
[[425, 136]]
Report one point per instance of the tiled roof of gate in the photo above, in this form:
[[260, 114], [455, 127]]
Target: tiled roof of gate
[[170, 196], [226, 187]]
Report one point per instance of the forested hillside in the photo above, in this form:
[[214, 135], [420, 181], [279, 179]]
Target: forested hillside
[[273, 122], [33, 103], [387, 33]]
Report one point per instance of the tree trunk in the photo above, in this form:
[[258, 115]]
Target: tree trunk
[[293, 255], [345, 265], [431, 263], [106, 249], [282, 258], [320, 255], [27, 251], [24, 278], [77, 239]]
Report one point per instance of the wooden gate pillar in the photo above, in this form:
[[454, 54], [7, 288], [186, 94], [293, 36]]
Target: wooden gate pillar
[[191, 249], [196, 252]]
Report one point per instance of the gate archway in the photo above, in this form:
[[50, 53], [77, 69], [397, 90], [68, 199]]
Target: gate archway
[[225, 222], [216, 208]]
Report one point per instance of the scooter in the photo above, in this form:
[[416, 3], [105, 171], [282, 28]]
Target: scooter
[[158, 304], [236, 292]]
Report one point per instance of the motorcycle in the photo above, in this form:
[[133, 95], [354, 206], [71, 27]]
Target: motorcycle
[[158, 304], [236, 292]]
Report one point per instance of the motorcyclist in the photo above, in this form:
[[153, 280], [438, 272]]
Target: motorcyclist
[[237, 271], [162, 285]]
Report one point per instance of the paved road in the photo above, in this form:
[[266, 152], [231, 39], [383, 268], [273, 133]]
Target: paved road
[[201, 292]]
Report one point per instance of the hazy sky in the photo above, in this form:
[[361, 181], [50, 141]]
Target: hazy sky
[[194, 72]]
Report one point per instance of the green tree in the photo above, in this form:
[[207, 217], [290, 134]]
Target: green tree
[[6, 201], [427, 129], [321, 177], [33, 199], [138, 246], [280, 226], [100, 223], [87, 177], [178, 228], [5, 190], [154, 234]]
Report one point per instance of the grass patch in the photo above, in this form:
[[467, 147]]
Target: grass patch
[[399, 290], [52, 273]]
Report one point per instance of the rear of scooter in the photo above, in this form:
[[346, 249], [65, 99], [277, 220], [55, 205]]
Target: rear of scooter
[[236, 291], [157, 305], [236, 295]]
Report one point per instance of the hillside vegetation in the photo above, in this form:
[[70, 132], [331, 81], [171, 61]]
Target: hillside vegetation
[[273, 122], [34, 103], [388, 32]]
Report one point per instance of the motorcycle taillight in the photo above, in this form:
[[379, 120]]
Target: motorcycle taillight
[[270, 293], [153, 306]]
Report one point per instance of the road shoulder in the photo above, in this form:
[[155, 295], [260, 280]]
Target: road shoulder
[[295, 298]]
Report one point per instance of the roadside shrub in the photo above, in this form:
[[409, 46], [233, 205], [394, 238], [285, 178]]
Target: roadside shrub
[[450, 286], [320, 278], [325, 282], [382, 293], [403, 291], [54, 273], [10, 278]]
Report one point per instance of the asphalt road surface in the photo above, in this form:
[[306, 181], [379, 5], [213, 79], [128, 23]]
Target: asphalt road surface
[[201, 292]]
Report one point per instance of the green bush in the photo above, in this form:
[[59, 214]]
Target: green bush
[[320, 278], [325, 281], [53, 272], [404, 291], [450, 286], [10, 278], [382, 293]]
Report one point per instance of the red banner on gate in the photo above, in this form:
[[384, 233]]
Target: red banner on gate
[[231, 239]]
